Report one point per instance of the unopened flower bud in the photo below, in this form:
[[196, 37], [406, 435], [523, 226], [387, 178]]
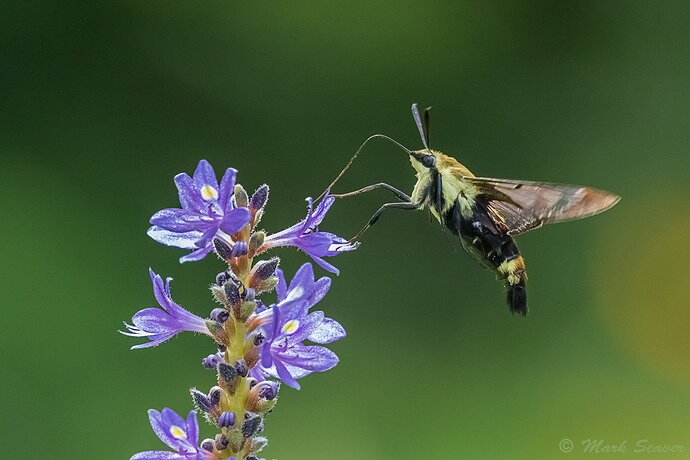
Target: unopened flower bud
[[249, 294], [256, 241], [222, 277], [264, 269], [217, 331], [252, 426], [226, 419], [258, 443], [211, 361], [226, 372], [236, 439], [268, 285], [241, 198], [262, 397], [241, 368], [221, 442], [239, 249], [222, 249], [200, 400], [252, 356], [262, 277], [232, 293], [259, 198], [207, 445], [257, 216], [246, 309], [269, 390], [214, 395], [220, 315], [218, 294]]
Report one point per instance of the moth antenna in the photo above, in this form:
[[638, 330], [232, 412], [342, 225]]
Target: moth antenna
[[427, 124], [349, 163], [420, 126]]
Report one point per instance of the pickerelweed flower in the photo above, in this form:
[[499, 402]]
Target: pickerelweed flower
[[254, 343], [207, 210], [177, 433], [305, 236], [159, 325], [284, 355]]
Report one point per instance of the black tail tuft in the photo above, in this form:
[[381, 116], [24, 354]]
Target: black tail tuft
[[517, 298]]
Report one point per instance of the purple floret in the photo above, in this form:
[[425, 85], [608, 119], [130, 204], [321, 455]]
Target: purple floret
[[207, 211], [158, 325], [177, 433], [284, 354], [305, 236]]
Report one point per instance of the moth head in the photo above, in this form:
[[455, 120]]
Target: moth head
[[423, 159]]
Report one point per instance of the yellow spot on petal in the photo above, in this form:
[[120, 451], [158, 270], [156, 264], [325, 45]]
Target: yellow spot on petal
[[177, 432], [290, 327], [209, 193]]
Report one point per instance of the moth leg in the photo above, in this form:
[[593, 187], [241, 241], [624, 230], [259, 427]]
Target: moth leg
[[402, 195], [401, 205]]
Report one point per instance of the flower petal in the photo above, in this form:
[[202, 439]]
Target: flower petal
[[227, 189], [196, 255], [192, 428], [155, 340], [184, 240], [205, 175], [189, 195], [322, 210], [327, 332], [159, 290], [310, 357], [234, 220], [285, 375], [325, 265], [319, 290], [291, 310], [303, 278], [155, 321], [161, 427], [157, 455], [281, 287], [181, 220]]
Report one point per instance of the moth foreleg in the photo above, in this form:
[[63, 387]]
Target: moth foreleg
[[400, 194], [377, 215]]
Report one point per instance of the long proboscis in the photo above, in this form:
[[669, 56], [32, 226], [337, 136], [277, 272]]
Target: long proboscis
[[349, 163]]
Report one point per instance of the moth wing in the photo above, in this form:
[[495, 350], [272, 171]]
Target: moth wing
[[520, 206]]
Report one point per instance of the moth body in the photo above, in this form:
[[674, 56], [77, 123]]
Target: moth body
[[457, 203]]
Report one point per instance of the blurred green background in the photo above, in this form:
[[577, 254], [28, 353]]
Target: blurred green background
[[102, 104]]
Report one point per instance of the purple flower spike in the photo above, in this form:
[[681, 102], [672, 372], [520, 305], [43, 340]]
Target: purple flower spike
[[283, 353], [177, 433], [207, 210], [305, 236], [159, 325]]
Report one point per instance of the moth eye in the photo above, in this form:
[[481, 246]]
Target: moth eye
[[429, 161]]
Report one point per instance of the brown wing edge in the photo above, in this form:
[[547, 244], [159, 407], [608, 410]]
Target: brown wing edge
[[520, 206]]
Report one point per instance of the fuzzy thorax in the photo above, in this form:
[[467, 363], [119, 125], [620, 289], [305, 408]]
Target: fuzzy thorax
[[453, 185]]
